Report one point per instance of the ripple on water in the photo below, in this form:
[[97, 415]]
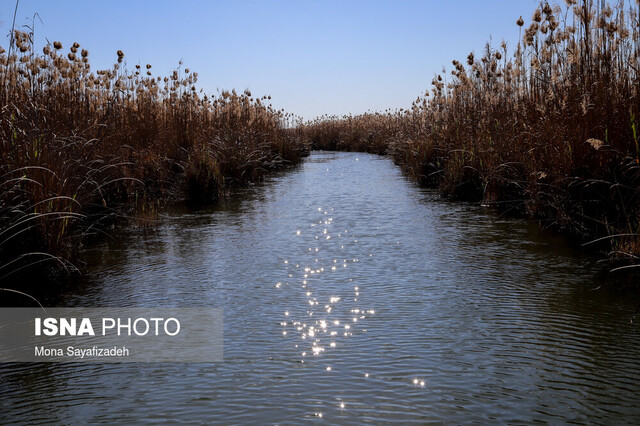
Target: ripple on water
[[352, 294]]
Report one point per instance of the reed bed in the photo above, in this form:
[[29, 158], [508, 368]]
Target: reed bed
[[551, 130], [80, 148]]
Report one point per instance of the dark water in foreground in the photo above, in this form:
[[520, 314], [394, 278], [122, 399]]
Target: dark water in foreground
[[418, 309]]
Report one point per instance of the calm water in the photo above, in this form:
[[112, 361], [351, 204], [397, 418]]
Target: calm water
[[350, 295]]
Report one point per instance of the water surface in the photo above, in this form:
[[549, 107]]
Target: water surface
[[351, 295]]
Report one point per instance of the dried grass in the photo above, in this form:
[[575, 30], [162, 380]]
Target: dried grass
[[80, 148], [551, 130]]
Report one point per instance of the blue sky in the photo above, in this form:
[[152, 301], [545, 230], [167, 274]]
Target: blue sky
[[313, 57]]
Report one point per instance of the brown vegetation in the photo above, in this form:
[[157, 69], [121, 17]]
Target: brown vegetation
[[79, 147], [552, 131]]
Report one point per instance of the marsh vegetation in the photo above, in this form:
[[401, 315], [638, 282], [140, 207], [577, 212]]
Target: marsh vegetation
[[81, 148], [550, 129]]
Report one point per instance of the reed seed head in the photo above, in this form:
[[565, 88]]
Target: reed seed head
[[595, 143], [470, 59], [537, 16]]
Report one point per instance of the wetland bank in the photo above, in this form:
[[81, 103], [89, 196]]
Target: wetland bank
[[548, 130]]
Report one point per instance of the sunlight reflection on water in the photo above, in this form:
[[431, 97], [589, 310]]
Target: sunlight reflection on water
[[414, 310]]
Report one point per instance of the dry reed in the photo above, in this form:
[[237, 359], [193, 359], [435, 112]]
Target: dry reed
[[80, 148], [551, 130]]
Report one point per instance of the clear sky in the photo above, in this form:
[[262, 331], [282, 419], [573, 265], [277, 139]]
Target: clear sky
[[312, 56]]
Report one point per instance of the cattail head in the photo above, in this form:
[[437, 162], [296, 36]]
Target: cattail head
[[520, 21], [84, 53], [57, 45]]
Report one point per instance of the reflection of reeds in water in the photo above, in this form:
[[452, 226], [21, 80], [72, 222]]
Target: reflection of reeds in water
[[80, 147], [552, 130]]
